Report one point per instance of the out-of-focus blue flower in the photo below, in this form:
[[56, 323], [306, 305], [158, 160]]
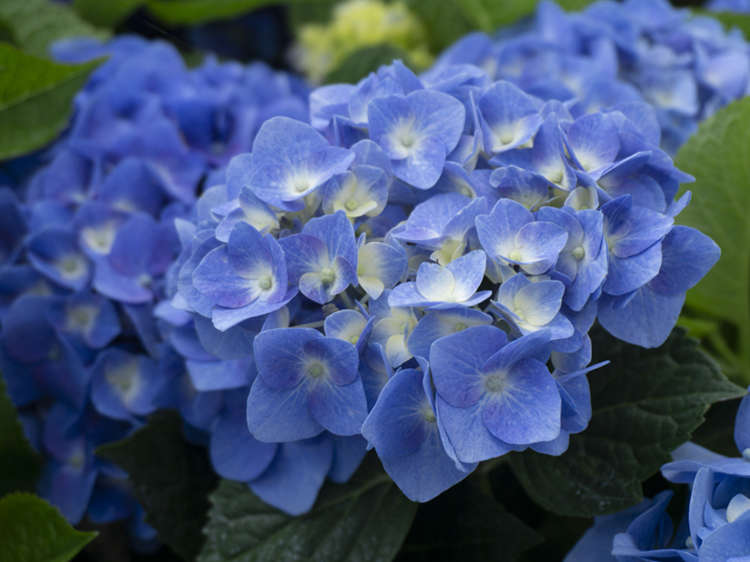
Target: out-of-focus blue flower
[[716, 524], [613, 55], [85, 244]]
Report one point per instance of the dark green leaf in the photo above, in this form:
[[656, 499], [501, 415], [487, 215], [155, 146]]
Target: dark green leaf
[[171, 479], [716, 432], [319, 11], [468, 525], [645, 404], [191, 12], [363, 61], [717, 155], [108, 13], [19, 463], [34, 24], [35, 99], [31, 530], [363, 520], [445, 21], [490, 15]]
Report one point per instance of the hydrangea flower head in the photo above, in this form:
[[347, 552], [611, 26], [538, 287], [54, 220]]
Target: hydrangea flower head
[[443, 267]]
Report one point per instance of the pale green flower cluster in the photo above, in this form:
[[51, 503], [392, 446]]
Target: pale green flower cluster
[[355, 24]]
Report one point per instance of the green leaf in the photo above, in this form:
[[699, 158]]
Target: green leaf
[[31, 530], [19, 463], [171, 479], [363, 520], [35, 99], [35, 24], [490, 15], [466, 524], [191, 12], [445, 21], [645, 404], [301, 13], [363, 61], [717, 155], [106, 14]]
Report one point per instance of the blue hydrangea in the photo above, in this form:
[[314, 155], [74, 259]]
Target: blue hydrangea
[[611, 55], [85, 243], [716, 522], [415, 270]]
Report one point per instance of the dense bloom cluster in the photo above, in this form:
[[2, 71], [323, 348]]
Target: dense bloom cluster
[[716, 524], [685, 66], [85, 245], [416, 269]]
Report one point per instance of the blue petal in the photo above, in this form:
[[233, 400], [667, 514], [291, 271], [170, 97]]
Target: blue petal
[[280, 415], [340, 409], [235, 454], [439, 323], [225, 318], [646, 319], [215, 277], [280, 355], [417, 132], [468, 434], [220, 375], [67, 489], [509, 117], [456, 362], [528, 408], [687, 255], [336, 232], [408, 445], [628, 274], [295, 476], [348, 453]]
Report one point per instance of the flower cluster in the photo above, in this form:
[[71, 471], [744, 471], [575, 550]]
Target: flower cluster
[[84, 248], [416, 270], [685, 66], [716, 525], [354, 24]]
